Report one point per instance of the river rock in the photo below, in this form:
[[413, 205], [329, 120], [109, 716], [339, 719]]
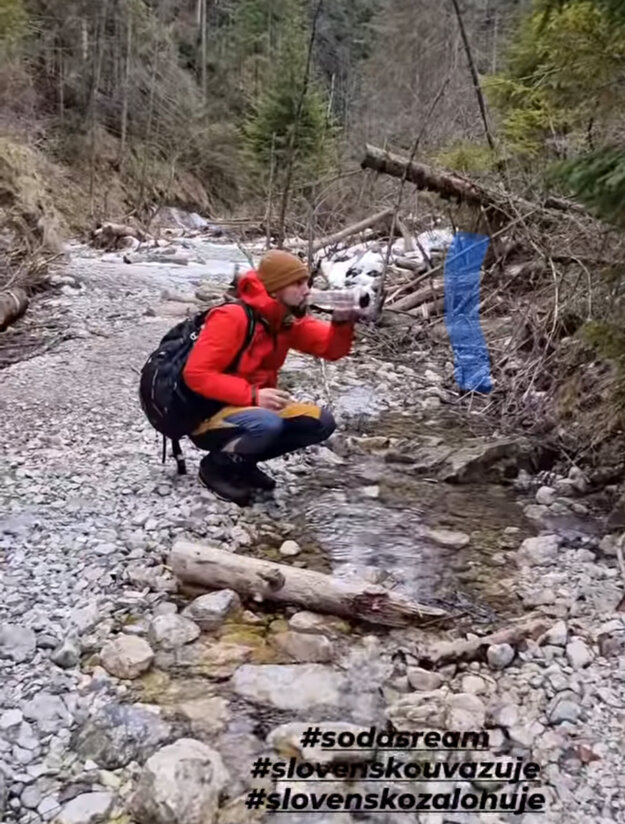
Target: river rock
[[119, 734], [180, 784], [449, 538], [557, 635], [88, 808], [205, 715], [305, 648], [315, 624], [289, 687], [539, 551], [545, 496], [423, 680], [127, 657], [48, 712], [17, 643], [474, 685], [67, 655], [171, 632], [211, 610], [578, 654], [289, 549], [564, 709], [465, 712], [4, 792], [499, 656]]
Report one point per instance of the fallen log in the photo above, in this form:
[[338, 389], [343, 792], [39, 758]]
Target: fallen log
[[264, 580], [451, 186], [354, 229], [449, 652], [13, 304], [428, 293]]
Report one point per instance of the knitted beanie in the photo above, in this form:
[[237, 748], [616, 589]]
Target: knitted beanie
[[278, 269]]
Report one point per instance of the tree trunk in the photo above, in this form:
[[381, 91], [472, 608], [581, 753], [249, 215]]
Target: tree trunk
[[13, 304], [217, 569], [124, 124], [447, 185]]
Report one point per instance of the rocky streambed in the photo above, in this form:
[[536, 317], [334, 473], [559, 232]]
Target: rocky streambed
[[124, 698]]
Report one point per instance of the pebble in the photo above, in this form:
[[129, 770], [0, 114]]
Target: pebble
[[290, 549], [578, 654], [499, 656], [211, 610]]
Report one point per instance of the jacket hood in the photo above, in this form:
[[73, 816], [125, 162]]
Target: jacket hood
[[252, 290]]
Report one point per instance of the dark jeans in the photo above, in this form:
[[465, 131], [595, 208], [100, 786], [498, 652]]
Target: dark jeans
[[260, 435]]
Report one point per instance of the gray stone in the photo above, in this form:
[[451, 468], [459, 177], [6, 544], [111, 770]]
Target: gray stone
[[17, 643], [424, 680], [10, 721], [564, 710], [88, 808], [48, 711], [180, 784], [578, 654], [289, 549], [505, 715], [465, 712], [539, 551], [289, 687], [31, 797], [557, 635], [49, 807], [449, 538], [127, 657], [119, 734], [545, 496], [86, 618], [210, 611], [315, 624], [205, 715], [304, 647], [499, 656], [171, 632], [67, 655], [474, 685]]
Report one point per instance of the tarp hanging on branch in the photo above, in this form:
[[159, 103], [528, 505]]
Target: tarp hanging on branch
[[463, 266]]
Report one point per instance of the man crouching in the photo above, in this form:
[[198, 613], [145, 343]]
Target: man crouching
[[255, 421]]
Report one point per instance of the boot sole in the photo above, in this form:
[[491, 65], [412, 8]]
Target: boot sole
[[244, 501]]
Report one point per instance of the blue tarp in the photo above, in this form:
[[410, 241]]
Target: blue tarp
[[463, 266]]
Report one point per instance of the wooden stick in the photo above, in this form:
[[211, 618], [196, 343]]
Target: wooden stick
[[354, 229], [252, 578], [463, 650], [428, 293]]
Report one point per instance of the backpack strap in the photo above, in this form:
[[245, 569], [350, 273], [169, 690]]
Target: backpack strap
[[176, 450]]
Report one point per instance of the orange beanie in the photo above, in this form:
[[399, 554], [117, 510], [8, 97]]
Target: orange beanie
[[278, 269]]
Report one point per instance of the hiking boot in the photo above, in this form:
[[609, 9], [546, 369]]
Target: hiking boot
[[221, 474], [256, 478]]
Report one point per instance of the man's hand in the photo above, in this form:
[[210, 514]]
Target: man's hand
[[273, 399]]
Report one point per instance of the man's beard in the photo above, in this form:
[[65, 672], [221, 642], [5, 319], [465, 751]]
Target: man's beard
[[299, 311]]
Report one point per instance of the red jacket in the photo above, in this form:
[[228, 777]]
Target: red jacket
[[223, 335]]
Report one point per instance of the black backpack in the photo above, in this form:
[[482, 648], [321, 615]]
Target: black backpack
[[170, 406]]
